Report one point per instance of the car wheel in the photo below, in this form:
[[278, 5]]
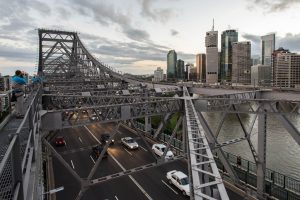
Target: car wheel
[[183, 192]]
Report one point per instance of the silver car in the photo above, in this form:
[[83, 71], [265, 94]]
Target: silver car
[[129, 142]]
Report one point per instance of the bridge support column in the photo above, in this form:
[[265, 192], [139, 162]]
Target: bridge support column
[[148, 124], [261, 149]]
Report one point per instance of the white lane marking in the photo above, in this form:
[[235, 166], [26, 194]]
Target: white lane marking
[[169, 186], [80, 139], [92, 159], [72, 164], [143, 148], [134, 181], [127, 151], [92, 134], [116, 197]]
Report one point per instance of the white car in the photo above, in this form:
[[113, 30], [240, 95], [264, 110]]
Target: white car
[[159, 150], [129, 142], [180, 180]]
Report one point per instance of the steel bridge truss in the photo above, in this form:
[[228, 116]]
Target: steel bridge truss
[[62, 56], [206, 181], [67, 111]]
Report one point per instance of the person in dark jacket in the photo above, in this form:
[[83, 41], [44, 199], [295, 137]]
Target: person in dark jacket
[[18, 86]]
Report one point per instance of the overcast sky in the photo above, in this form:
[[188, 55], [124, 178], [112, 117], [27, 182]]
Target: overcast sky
[[135, 35]]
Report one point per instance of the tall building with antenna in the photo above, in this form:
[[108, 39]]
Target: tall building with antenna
[[212, 64]]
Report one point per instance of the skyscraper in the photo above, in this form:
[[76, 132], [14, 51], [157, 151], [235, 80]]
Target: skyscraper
[[241, 62], [180, 69], [227, 38], [200, 67], [286, 69], [171, 64], [268, 46], [211, 44], [158, 75]]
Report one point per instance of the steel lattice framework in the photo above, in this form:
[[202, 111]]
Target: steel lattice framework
[[82, 90]]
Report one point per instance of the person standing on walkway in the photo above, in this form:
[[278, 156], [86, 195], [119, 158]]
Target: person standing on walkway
[[18, 86]]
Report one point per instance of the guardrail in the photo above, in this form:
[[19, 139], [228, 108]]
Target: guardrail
[[277, 185], [21, 154]]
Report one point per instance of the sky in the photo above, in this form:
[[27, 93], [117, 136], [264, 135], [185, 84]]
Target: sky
[[134, 36]]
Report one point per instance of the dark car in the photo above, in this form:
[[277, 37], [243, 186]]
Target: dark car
[[104, 138], [60, 141], [97, 151]]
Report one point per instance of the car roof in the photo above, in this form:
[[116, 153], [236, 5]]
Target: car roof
[[180, 174], [160, 145], [59, 137], [105, 134]]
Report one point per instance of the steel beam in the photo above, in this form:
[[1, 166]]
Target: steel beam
[[288, 125], [205, 174], [261, 148]]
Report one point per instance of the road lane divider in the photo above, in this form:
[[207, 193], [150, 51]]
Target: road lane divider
[[127, 151], [143, 148], [72, 164], [80, 139], [169, 186], [116, 197], [92, 159], [134, 181], [92, 134]]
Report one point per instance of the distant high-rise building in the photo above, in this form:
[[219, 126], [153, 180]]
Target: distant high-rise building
[[180, 69], [255, 61], [267, 48], [286, 69], [188, 68], [227, 38], [211, 44], [171, 64], [200, 67], [5, 83], [158, 75], [261, 75], [241, 62]]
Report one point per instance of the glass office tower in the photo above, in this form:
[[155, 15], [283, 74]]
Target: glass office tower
[[227, 38], [268, 46], [171, 64]]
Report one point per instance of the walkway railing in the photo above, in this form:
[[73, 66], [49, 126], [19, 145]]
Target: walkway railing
[[18, 180], [277, 185]]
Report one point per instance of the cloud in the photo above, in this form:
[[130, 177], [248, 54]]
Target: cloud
[[252, 38], [161, 15], [174, 32], [17, 53], [290, 41], [107, 15], [255, 43], [273, 5]]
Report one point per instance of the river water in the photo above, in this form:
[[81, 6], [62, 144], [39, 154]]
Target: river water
[[283, 153]]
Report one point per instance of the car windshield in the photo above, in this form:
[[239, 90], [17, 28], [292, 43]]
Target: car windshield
[[130, 140], [163, 149], [184, 181], [106, 136]]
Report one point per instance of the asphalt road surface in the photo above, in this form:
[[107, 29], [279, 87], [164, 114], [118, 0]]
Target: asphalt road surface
[[150, 184]]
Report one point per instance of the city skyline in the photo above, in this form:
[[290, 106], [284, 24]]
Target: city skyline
[[137, 35]]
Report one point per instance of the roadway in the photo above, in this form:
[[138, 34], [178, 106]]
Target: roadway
[[150, 184]]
